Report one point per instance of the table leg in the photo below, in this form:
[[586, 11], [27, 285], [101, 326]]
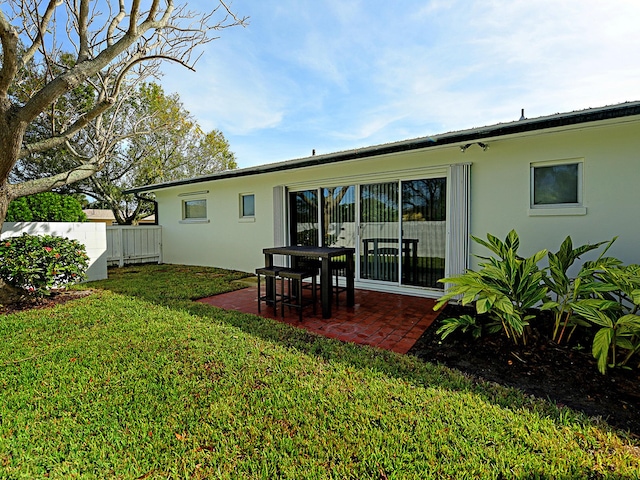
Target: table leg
[[326, 289], [414, 270], [350, 280], [269, 281]]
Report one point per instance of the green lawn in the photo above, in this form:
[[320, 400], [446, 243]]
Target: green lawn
[[137, 381]]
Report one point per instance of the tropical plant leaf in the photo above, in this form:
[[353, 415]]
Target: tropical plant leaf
[[630, 323], [464, 322], [600, 348], [625, 343], [591, 312]]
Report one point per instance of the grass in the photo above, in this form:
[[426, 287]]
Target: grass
[[138, 381]]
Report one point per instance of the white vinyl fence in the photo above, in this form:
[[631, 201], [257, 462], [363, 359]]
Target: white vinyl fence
[[91, 235], [140, 244]]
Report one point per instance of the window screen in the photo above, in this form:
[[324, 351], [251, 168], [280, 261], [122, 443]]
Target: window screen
[[556, 184], [195, 209]]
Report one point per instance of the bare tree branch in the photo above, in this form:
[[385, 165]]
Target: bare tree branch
[[83, 18], [63, 137], [45, 184], [42, 24], [115, 22], [9, 39]]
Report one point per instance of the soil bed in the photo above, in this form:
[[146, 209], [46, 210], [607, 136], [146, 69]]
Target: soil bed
[[54, 298], [565, 374]]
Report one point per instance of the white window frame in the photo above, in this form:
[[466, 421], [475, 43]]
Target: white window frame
[[241, 213], [185, 219], [576, 208]]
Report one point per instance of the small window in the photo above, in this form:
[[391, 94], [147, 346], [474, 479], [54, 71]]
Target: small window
[[194, 209], [247, 205], [556, 185]]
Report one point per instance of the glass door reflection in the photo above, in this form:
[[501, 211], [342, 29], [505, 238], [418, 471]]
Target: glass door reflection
[[379, 232]]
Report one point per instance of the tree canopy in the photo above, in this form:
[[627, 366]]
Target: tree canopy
[[160, 142], [66, 63]]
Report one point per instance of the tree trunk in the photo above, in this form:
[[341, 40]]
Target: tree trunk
[[4, 202], [11, 136]]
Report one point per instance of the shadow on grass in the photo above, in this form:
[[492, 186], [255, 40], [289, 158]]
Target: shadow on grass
[[175, 287]]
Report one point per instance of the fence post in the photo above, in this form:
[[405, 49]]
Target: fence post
[[121, 260]]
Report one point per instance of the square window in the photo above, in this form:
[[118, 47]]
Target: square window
[[556, 185], [247, 205], [194, 209]]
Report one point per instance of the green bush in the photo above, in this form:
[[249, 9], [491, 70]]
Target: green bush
[[39, 263], [614, 309], [604, 294], [505, 287], [45, 207], [564, 290]]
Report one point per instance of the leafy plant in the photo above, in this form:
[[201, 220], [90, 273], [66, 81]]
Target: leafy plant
[[466, 323], [46, 207], [40, 263], [568, 290], [505, 287], [614, 308]]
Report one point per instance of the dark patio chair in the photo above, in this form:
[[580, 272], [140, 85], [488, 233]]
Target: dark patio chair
[[338, 267], [295, 299], [273, 296]]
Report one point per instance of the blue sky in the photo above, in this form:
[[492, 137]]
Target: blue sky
[[332, 75]]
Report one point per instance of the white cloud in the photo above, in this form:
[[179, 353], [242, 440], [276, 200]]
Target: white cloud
[[229, 91], [337, 73]]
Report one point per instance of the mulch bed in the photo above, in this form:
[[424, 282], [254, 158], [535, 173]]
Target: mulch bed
[[565, 374], [29, 303]]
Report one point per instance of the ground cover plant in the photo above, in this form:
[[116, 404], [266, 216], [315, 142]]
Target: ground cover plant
[[509, 292], [138, 381]]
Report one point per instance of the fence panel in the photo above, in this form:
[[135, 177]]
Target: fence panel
[[128, 245], [91, 235]]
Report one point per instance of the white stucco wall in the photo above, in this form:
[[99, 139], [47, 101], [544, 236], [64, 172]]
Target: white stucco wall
[[611, 190], [92, 235], [500, 179]]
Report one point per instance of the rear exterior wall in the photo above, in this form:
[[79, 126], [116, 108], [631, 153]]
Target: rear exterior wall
[[500, 195]]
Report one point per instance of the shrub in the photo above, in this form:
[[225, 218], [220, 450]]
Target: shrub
[[565, 290], [604, 294], [39, 263], [45, 207], [614, 307], [505, 287]]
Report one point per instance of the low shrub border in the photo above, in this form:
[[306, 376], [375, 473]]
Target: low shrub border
[[39, 263], [605, 294]]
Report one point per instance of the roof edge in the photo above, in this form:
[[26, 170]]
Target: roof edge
[[621, 110]]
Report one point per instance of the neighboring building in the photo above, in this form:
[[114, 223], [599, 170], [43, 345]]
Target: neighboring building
[[103, 215], [100, 215], [409, 207]]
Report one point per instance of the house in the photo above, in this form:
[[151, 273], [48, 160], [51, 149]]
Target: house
[[410, 207], [103, 215], [100, 215]]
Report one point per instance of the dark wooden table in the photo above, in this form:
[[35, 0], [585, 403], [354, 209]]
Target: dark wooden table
[[325, 254]]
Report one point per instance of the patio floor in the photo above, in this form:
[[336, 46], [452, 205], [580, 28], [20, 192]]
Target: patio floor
[[389, 321]]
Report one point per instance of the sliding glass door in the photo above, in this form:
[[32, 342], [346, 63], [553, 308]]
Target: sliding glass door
[[424, 231], [303, 218], [398, 228], [379, 232], [339, 216]]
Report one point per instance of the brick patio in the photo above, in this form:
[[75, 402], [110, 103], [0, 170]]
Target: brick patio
[[389, 321]]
